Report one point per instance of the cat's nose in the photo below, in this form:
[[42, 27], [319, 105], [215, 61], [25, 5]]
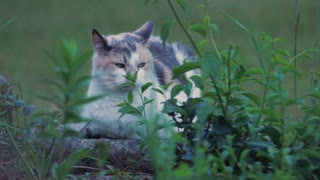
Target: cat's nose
[[132, 71]]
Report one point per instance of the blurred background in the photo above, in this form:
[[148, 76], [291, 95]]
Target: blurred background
[[40, 26]]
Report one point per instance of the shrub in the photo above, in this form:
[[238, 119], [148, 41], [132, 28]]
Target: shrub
[[238, 133]]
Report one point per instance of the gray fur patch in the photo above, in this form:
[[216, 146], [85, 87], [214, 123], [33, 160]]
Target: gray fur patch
[[126, 45], [167, 56]]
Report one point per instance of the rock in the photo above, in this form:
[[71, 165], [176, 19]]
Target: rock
[[6, 98], [2, 80], [6, 111], [124, 154]]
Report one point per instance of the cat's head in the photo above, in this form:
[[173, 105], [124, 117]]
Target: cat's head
[[116, 55]]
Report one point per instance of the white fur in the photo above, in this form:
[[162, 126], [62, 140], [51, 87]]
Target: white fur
[[104, 112], [107, 80]]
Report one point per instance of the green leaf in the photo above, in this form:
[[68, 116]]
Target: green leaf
[[253, 71], [185, 67], [69, 49], [253, 98], [171, 107], [210, 95], [206, 20], [211, 64], [176, 90], [166, 86], [313, 154], [130, 97], [258, 145], [182, 4], [85, 100], [81, 61], [126, 108], [165, 30], [61, 171], [19, 103], [158, 90], [5, 124], [145, 87], [202, 44], [2, 26], [204, 111], [27, 110], [183, 171], [233, 52], [80, 83], [251, 36], [244, 154], [274, 134], [241, 121], [216, 28], [240, 71], [58, 84], [198, 81], [199, 28], [220, 128], [56, 61], [147, 101], [128, 85], [135, 76]]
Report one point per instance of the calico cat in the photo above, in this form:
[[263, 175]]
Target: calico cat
[[115, 56]]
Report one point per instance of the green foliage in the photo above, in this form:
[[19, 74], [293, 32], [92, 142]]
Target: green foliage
[[165, 30], [38, 137], [3, 25], [240, 134], [230, 132], [15, 133]]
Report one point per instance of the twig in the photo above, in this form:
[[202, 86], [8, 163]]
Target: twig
[[210, 32], [228, 78], [89, 168], [50, 148], [297, 14], [184, 29]]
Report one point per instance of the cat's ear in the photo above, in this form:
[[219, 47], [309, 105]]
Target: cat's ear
[[100, 44], [145, 30]]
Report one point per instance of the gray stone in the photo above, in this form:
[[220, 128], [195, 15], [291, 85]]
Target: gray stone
[[123, 154]]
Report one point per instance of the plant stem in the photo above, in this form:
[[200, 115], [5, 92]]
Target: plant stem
[[297, 15], [144, 108], [265, 91], [224, 112], [20, 153], [184, 29], [229, 77], [210, 32]]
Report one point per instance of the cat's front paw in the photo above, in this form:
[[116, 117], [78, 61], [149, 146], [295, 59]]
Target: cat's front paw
[[91, 135]]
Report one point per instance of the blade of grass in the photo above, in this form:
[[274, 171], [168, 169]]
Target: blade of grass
[[2, 26], [183, 28], [297, 16], [251, 36], [210, 30]]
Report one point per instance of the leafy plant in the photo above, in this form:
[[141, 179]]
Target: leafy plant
[[230, 132], [239, 134], [39, 141]]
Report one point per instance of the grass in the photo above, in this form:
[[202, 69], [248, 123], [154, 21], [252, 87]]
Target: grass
[[41, 25], [241, 132]]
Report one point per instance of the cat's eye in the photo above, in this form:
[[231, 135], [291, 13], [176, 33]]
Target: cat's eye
[[119, 65], [141, 65]]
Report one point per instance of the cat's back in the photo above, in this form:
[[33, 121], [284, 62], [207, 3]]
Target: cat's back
[[168, 56]]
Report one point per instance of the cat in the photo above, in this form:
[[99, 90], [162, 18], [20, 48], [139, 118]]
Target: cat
[[116, 55]]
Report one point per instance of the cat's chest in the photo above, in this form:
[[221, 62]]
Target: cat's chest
[[113, 100]]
